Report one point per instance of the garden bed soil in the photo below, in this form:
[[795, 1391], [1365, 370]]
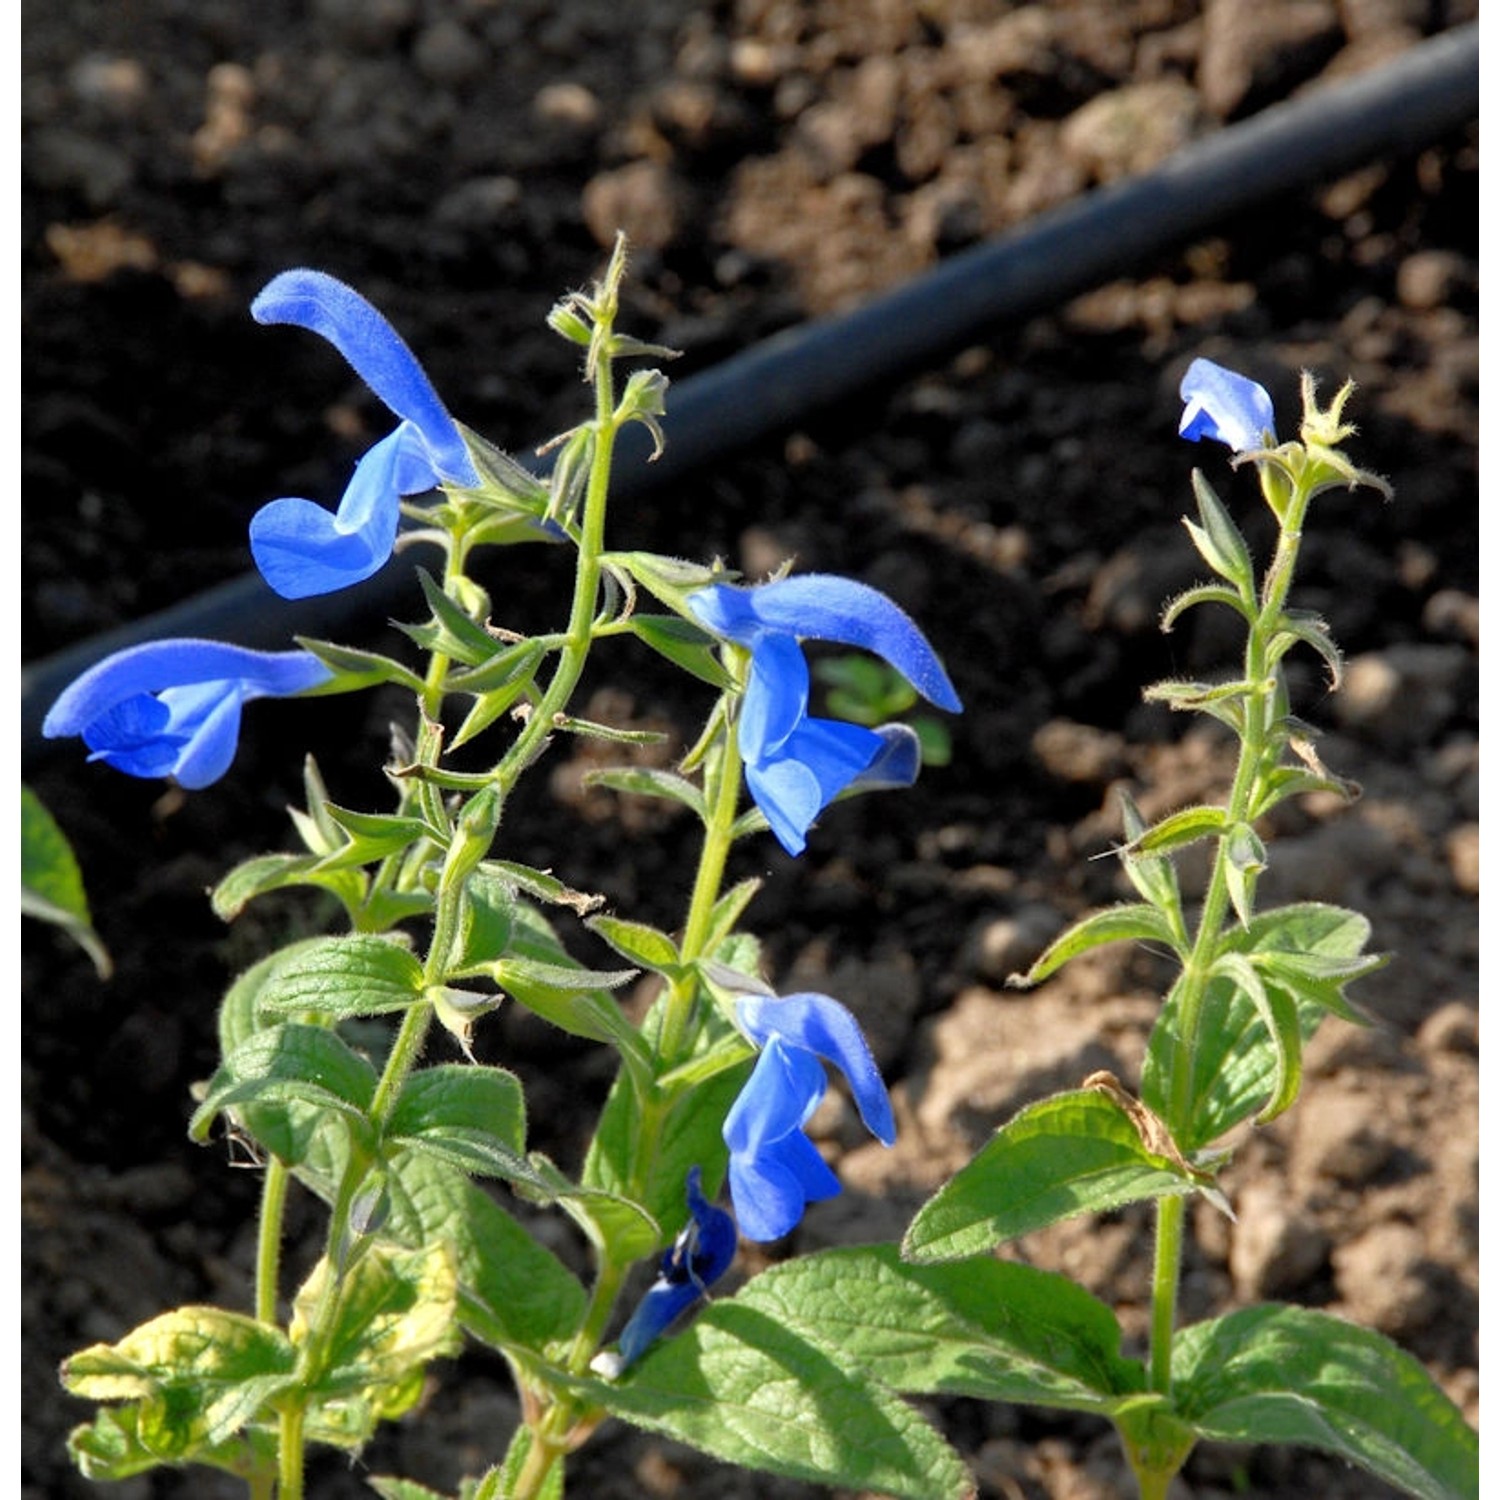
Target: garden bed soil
[[464, 164]]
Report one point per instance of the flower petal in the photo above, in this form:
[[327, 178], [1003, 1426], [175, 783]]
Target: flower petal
[[1225, 406], [785, 1087], [155, 665], [772, 1189], [821, 1025], [302, 549], [209, 715], [815, 764], [824, 607], [775, 696], [897, 762], [377, 353]]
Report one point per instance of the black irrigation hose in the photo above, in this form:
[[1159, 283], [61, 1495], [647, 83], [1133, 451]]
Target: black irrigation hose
[[1426, 93]]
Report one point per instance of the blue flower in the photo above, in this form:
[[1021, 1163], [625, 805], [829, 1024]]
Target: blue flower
[[796, 765], [301, 548], [775, 1171], [698, 1257], [1227, 407], [172, 708]]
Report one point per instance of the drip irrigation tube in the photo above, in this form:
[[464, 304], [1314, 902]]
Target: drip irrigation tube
[[1426, 93]]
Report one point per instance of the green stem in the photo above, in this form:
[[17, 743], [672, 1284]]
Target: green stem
[[1193, 984], [292, 1446], [268, 1240]]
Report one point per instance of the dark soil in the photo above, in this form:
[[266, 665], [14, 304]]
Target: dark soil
[[463, 162]]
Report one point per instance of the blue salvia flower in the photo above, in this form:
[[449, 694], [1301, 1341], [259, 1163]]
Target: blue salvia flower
[[1227, 407], [795, 765], [172, 708], [775, 1171], [699, 1256], [302, 548]]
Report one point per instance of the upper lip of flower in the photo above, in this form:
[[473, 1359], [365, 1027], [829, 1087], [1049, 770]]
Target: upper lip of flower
[[797, 764], [302, 548], [172, 707], [1225, 405]]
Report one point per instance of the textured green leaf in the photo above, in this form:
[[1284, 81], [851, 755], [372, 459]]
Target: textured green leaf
[[359, 975], [690, 1134], [290, 1063], [1235, 1071], [113, 1447], [51, 884], [1115, 924], [646, 946], [474, 1117], [745, 1388], [274, 872], [507, 667], [513, 1293], [1279, 1017], [986, 1328], [1292, 1375], [1153, 876], [1073, 1153], [397, 1311], [199, 1374]]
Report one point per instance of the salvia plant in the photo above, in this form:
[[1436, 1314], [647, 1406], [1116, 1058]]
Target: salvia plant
[[804, 1371]]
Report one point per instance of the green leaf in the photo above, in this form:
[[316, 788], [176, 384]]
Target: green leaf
[[646, 946], [508, 666], [112, 1447], [1220, 542], [1153, 876], [355, 669], [284, 1064], [473, 1117], [359, 975], [1278, 1013], [985, 1328], [51, 884], [1074, 1153], [1178, 829], [1236, 1069], [1114, 924], [541, 884], [372, 836], [1204, 593], [1293, 1375], [452, 632], [1244, 859], [690, 1134], [684, 645], [397, 1311], [200, 1374], [645, 781], [513, 1293], [728, 910], [618, 1227], [1302, 626], [745, 1388], [274, 872]]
